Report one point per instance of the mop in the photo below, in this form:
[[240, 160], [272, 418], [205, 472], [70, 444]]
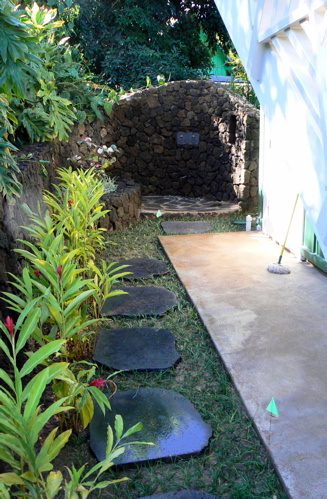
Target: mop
[[278, 268]]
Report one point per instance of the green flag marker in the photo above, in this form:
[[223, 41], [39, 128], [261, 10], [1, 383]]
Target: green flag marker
[[158, 214], [272, 407]]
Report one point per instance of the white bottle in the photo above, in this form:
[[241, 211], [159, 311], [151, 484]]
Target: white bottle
[[248, 221]]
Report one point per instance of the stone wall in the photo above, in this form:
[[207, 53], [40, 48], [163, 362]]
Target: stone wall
[[189, 138], [123, 205], [13, 217]]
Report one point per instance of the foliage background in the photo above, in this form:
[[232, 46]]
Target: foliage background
[[125, 40]]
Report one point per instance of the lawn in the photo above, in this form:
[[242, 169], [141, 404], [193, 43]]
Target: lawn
[[235, 464]]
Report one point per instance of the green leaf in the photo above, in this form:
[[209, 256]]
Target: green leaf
[[4, 491], [40, 355], [107, 107], [87, 411], [103, 485], [15, 444], [76, 302], [51, 448], [7, 379], [75, 286], [110, 440], [137, 427], [119, 427], [54, 480], [100, 398], [54, 370], [35, 393], [5, 349], [43, 418], [7, 457], [10, 426], [106, 463], [29, 325], [11, 478]]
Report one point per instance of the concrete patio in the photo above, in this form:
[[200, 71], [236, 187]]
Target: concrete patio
[[271, 332]]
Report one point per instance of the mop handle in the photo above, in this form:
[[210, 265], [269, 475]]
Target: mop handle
[[288, 229]]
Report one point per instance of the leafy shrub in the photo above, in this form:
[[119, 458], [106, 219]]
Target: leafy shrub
[[44, 86], [23, 420], [125, 41], [131, 65], [62, 276], [52, 291]]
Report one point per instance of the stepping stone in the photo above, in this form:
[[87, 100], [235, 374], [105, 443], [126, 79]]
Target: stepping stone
[[142, 268], [186, 227], [169, 421], [182, 494], [140, 300], [138, 348]]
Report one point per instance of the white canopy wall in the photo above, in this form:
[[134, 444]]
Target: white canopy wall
[[283, 47]]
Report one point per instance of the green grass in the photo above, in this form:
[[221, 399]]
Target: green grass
[[235, 465]]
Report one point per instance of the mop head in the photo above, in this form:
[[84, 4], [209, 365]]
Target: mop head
[[278, 268]]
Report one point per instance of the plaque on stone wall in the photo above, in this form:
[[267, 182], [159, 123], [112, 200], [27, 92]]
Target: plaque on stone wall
[[188, 138]]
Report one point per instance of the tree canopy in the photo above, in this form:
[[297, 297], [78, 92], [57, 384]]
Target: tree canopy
[[128, 40], [44, 87]]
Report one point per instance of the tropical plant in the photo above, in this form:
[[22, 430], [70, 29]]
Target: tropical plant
[[62, 275], [59, 280], [103, 278], [44, 86], [53, 282], [23, 420], [76, 209], [75, 385]]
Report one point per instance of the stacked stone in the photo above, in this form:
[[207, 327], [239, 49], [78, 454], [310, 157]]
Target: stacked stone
[[124, 205], [222, 165]]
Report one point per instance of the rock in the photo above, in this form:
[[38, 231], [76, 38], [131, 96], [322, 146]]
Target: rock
[[136, 348], [140, 300], [170, 421]]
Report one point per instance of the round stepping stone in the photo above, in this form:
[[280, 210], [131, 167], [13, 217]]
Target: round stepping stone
[[139, 348], [182, 494], [141, 268], [140, 300], [186, 227], [169, 421]]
